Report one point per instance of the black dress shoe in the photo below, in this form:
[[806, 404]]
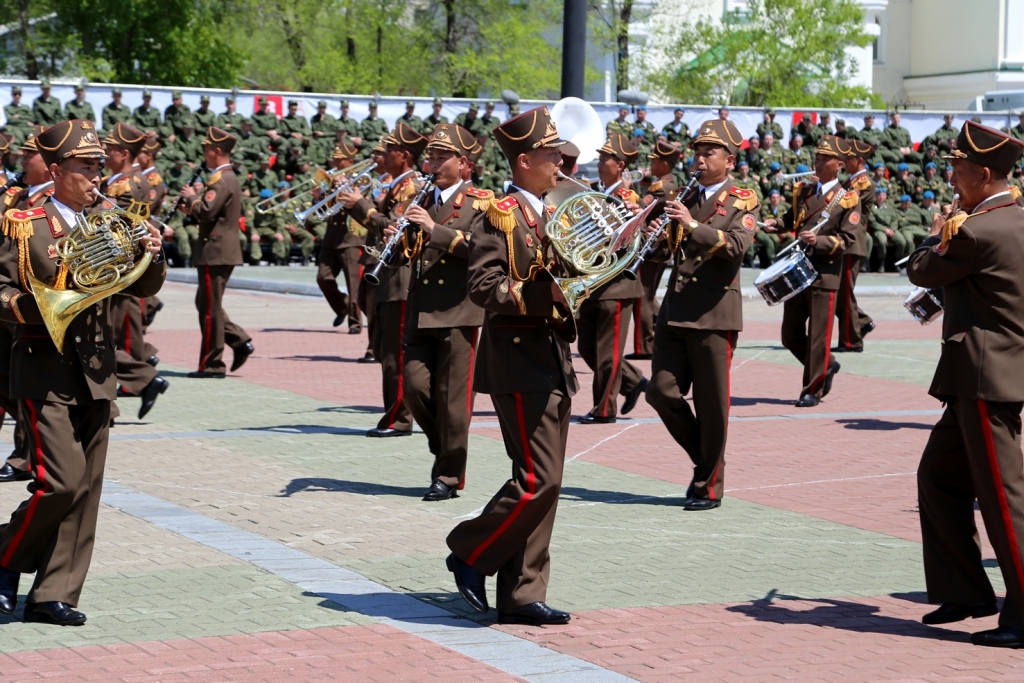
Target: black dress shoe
[[154, 361], [697, 504], [535, 614], [589, 419], [637, 356], [59, 613], [385, 433], [338, 320], [8, 590], [355, 330], [203, 374], [843, 349], [368, 358], [832, 370], [807, 401], [1004, 636], [950, 612], [866, 330], [153, 389], [242, 354], [470, 583], [634, 396], [8, 473], [152, 313], [440, 491]]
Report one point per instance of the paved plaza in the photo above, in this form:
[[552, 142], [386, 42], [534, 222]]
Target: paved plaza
[[250, 532]]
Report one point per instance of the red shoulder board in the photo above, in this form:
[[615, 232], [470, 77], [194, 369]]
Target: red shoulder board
[[623, 192], [11, 191], [474, 192], [507, 204], [39, 212], [740, 192]]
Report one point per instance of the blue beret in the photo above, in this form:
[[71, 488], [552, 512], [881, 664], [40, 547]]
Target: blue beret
[[266, 194], [773, 191], [642, 107], [903, 167], [742, 163], [928, 194], [878, 166], [880, 190], [283, 184], [931, 164], [679, 109], [904, 197], [774, 166], [638, 131], [797, 135], [802, 168]]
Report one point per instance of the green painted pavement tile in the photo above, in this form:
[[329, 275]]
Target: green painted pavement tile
[[193, 603], [911, 361]]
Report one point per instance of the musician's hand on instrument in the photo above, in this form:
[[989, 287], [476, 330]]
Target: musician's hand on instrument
[[937, 222], [349, 199], [390, 231], [771, 225], [678, 212], [809, 238], [153, 241], [418, 215], [653, 227], [632, 206]]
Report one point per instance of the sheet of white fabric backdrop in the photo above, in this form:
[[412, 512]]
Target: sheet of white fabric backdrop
[[919, 123]]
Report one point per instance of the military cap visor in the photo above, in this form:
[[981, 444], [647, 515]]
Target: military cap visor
[[453, 138], [987, 147]]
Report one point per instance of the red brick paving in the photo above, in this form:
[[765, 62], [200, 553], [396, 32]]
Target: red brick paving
[[360, 654]]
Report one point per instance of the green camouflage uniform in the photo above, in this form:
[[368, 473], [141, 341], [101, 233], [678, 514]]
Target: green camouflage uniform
[[264, 122], [204, 119], [232, 123], [682, 136], [325, 124], [174, 117], [190, 148], [620, 127], [262, 180], [268, 226], [773, 127], [882, 218], [473, 126], [146, 118], [74, 110], [372, 129], [19, 121], [294, 124], [430, 122], [47, 112], [767, 244], [114, 114]]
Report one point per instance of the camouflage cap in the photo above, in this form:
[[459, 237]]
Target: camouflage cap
[[204, 98], [115, 91], [147, 93], [219, 139], [293, 103], [247, 121], [526, 132], [770, 111], [45, 83], [344, 103], [829, 146], [453, 138], [473, 106], [67, 139], [16, 90], [126, 137], [722, 133], [666, 152], [987, 147], [230, 99], [175, 94], [262, 100], [437, 100], [620, 147], [408, 139], [321, 104], [409, 104], [373, 104]]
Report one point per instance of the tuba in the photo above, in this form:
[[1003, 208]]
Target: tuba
[[99, 253]]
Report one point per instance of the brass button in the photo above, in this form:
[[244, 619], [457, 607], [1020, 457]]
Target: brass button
[[78, 340], [426, 282], [440, 282], [698, 258], [693, 279], [726, 288], [679, 278], [443, 261], [98, 338], [516, 340]]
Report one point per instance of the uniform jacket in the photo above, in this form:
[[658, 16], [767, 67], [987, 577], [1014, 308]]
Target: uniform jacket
[[865, 190], [834, 238], [659, 192], [343, 232], [85, 370], [704, 287], [125, 188], [217, 212], [621, 288], [394, 282], [17, 197], [983, 288], [157, 190], [525, 345], [438, 288]]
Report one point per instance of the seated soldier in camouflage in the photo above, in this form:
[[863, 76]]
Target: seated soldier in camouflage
[[903, 183], [929, 207], [929, 181], [883, 226], [768, 241], [297, 233], [268, 228], [911, 222]]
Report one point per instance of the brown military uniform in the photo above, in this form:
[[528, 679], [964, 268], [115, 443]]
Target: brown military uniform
[[441, 330], [217, 253], [851, 318], [64, 399], [645, 308], [697, 328], [807, 317]]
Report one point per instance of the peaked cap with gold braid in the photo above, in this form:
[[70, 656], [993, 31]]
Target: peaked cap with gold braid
[[987, 147], [620, 147], [530, 130], [851, 147], [719, 132], [124, 136], [453, 138], [407, 138], [30, 142], [830, 146], [74, 138], [344, 150], [219, 139]]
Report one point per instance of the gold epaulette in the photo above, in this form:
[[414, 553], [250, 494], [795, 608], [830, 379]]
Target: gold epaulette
[[746, 200], [154, 179], [18, 224], [1014, 192], [849, 200], [656, 186], [482, 199], [951, 227], [500, 214], [212, 180], [119, 188], [862, 183], [12, 194], [405, 192], [628, 195]]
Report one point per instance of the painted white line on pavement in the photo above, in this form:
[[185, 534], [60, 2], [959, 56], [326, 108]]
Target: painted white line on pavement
[[824, 481], [774, 539], [604, 440], [495, 648]]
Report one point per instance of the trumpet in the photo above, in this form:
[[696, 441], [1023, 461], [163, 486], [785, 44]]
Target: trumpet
[[634, 177], [794, 176], [323, 209], [321, 178]]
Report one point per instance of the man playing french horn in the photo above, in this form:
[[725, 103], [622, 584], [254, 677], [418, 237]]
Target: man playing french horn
[[64, 394], [702, 312]]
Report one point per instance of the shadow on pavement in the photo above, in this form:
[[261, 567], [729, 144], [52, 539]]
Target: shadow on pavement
[[322, 330], [874, 425], [741, 401], [316, 359], [842, 615], [575, 493], [309, 429], [340, 485], [350, 409]]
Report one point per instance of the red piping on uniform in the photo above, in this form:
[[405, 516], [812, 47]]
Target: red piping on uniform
[[637, 326], [127, 333], [531, 485], [828, 334], [469, 392], [209, 316], [401, 373], [615, 358], [44, 485], [728, 405], [997, 477], [847, 299]]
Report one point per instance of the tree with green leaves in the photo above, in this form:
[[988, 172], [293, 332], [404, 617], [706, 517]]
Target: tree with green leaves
[[773, 52]]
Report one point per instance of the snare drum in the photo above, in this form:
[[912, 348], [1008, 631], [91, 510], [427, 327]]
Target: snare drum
[[924, 304], [786, 278]]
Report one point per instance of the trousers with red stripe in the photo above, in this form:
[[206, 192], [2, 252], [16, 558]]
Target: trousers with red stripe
[[807, 333], [214, 324], [645, 309], [973, 453], [851, 317], [133, 372], [52, 533], [603, 327], [438, 380], [18, 459], [684, 358], [330, 264], [511, 536], [388, 330]]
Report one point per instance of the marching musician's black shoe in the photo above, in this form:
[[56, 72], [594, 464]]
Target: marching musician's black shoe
[[1004, 636], [152, 313], [8, 590], [205, 374], [470, 583], [535, 614], [154, 361], [384, 433], [368, 358], [866, 330], [832, 370], [8, 473], [807, 401], [440, 491], [843, 349], [242, 354], [338, 320], [355, 330], [58, 613], [696, 504], [950, 612], [634, 396], [153, 389], [638, 356], [589, 419]]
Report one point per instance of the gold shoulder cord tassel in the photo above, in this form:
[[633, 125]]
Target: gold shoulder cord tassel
[[951, 227], [502, 219], [20, 230]]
